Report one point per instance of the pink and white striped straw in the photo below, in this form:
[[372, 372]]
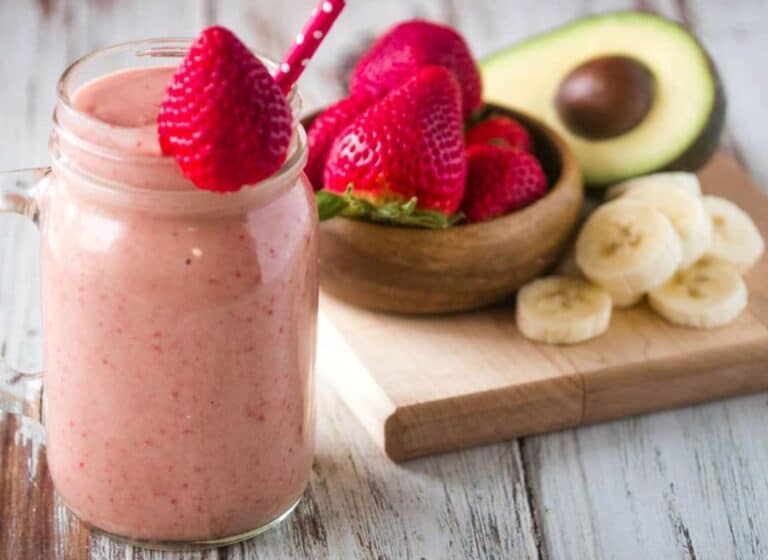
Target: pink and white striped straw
[[307, 42]]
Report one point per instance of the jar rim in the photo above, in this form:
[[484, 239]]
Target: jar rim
[[162, 48]]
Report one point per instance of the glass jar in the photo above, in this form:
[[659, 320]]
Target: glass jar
[[179, 327]]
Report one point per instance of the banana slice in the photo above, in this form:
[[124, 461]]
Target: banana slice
[[709, 294], [735, 238], [685, 211], [628, 248], [681, 180], [560, 310]]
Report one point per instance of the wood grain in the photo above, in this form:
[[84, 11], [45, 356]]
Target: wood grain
[[463, 380], [679, 484]]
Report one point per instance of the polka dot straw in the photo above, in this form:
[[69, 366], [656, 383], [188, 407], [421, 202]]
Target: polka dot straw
[[307, 42]]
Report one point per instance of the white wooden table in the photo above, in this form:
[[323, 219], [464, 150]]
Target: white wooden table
[[689, 483]]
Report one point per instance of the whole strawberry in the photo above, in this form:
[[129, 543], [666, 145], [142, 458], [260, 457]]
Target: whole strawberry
[[408, 145], [325, 129], [224, 118], [500, 180], [502, 131], [406, 48]]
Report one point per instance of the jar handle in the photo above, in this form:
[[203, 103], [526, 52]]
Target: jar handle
[[21, 392]]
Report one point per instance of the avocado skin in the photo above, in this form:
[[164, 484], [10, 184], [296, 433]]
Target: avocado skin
[[708, 141]]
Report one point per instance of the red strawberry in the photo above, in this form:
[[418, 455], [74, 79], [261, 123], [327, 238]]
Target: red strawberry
[[224, 118], [500, 180], [398, 54], [407, 145], [502, 131], [324, 130]]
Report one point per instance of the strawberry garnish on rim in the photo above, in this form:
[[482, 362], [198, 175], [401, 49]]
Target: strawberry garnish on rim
[[224, 118]]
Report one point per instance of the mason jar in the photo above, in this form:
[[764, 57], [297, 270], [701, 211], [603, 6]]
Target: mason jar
[[179, 325]]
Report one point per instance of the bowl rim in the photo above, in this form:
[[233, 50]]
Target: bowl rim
[[568, 176]]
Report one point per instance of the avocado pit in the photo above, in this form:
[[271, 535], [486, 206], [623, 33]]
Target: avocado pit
[[605, 97]]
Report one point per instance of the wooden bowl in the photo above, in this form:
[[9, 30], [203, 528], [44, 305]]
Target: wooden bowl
[[422, 271]]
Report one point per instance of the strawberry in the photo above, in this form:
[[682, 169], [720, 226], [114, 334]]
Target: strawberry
[[500, 180], [398, 54], [224, 118], [503, 131], [324, 130], [406, 147]]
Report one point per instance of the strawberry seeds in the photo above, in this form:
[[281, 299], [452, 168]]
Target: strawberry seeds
[[395, 150], [224, 118]]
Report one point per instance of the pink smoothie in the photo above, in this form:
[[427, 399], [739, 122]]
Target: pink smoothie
[[180, 332]]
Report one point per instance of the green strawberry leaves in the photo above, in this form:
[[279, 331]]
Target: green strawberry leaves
[[330, 204]]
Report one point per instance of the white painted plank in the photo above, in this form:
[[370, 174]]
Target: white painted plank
[[23, 139], [680, 484], [28, 79]]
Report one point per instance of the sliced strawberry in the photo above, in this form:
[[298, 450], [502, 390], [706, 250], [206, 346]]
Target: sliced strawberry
[[325, 129], [407, 146], [500, 180], [224, 118], [406, 48], [502, 131]]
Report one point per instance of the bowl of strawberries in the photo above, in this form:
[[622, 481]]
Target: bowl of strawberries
[[432, 201]]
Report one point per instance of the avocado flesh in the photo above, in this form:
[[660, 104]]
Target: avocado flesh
[[685, 120]]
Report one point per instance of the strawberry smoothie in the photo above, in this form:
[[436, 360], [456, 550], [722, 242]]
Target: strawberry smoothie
[[180, 327]]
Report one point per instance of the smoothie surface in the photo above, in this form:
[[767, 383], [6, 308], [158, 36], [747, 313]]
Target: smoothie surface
[[129, 98]]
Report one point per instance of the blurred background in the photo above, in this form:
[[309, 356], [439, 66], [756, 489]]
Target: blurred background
[[41, 37]]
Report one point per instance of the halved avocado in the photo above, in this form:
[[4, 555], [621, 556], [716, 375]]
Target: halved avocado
[[631, 92]]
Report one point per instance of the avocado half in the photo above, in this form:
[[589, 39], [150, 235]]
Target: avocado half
[[681, 112]]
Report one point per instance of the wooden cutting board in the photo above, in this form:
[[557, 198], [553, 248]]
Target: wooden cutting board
[[423, 385]]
